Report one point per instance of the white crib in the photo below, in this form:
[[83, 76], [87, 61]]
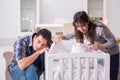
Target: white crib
[[50, 58]]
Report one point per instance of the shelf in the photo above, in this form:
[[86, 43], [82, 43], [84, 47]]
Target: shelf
[[49, 25]]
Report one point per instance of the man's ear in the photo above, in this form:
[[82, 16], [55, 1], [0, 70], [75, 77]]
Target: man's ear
[[34, 37]]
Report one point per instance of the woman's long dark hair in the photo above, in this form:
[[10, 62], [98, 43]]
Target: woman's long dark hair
[[83, 18]]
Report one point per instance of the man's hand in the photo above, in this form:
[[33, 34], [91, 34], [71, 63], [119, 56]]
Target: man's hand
[[43, 50]]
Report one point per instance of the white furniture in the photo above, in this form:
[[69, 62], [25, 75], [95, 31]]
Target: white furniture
[[54, 28], [95, 8], [7, 55], [27, 15], [50, 59]]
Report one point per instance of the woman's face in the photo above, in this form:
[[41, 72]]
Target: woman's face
[[82, 27]]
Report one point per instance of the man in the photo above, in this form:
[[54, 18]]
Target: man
[[28, 59]]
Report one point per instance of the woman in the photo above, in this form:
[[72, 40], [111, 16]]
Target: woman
[[98, 36]]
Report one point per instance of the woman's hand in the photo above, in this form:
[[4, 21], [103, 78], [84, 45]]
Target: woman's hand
[[57, 38], [97, 46]]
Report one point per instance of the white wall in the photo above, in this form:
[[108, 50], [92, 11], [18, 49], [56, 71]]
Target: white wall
[[9, 25], [113, 15], [9, 14], [55, 9], [9, 19]]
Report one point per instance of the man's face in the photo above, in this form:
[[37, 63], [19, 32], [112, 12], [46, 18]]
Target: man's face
[[39, 43]]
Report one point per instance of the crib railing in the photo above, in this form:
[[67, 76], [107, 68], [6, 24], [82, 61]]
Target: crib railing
[[50, 58]]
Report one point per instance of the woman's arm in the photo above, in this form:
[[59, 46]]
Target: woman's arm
[[104, 39], [68, 36]]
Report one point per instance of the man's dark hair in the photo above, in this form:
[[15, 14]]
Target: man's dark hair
[[45, 33]]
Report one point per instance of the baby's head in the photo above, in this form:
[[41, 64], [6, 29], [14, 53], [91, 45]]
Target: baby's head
[[79, 47]]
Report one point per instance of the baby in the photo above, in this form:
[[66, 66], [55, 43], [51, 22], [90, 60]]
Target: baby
[[79, 47]]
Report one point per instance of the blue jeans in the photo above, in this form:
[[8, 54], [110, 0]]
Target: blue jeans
[[30, 73]]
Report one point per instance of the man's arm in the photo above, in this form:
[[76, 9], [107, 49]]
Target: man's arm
[[26, 61]]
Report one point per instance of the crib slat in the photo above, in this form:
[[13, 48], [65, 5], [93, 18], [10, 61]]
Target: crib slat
[[70, 69], [61, 69], [49, 61], [79, 68], [87, 69], [95, 68]]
